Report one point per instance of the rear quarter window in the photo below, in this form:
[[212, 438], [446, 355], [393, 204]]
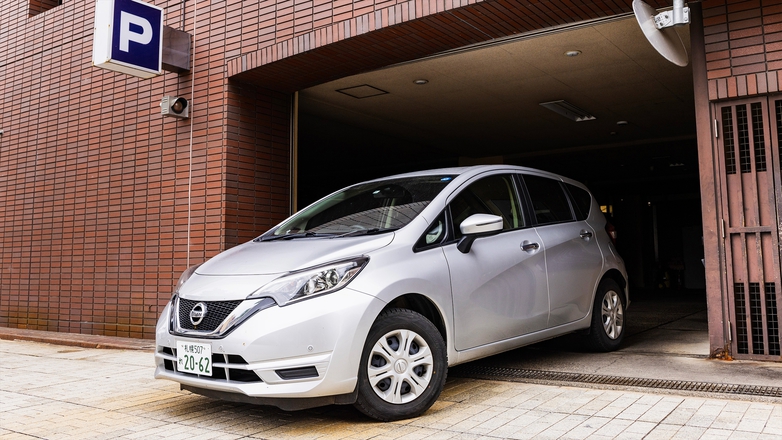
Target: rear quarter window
[[582, 200], [549, 201]]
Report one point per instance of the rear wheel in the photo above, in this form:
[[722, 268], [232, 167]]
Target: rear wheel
[[403, 366], [608, 317]]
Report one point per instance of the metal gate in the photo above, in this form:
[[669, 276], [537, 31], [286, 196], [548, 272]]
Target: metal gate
[[749, 174]]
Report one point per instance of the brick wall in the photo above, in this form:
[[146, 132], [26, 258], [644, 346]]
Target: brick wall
[[38, 6], [743, 47], [257, 161], [103, 202]]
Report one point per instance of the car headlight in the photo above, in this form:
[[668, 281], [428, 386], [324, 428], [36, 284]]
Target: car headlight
[[185, 276], [302, 284]]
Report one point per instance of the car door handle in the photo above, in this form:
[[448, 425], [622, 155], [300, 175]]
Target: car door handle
[[585, 234], [527, 246]]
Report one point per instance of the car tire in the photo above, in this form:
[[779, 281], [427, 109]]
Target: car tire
[[608, 326], [403, 366]]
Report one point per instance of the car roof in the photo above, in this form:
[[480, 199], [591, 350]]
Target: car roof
[[470, 171]]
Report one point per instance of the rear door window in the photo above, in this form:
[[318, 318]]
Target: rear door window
[[549, 201]]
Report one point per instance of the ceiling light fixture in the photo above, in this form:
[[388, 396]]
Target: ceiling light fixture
[[568, 110], [421, 82], [573, 53], [621, 122]]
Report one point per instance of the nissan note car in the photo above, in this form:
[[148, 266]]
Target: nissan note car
[[368, 295]]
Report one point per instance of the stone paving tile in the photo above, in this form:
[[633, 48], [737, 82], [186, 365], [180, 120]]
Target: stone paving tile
[[751, 425], [740, 435], [54, 392], [689, 433], [662, 432], [597, 404], [680, 415], [564, 426], [587, 427], [716, 434], [739, 407], [613, 428]]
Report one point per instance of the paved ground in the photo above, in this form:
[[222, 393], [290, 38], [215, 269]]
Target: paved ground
[[71, 390], [65, 392]]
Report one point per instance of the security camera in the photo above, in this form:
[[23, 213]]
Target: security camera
[[174, 106]]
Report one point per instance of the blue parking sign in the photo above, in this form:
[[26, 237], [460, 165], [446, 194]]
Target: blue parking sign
[[128, 37]]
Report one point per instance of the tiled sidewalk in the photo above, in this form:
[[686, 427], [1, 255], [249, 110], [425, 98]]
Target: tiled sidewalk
[[60, 392]]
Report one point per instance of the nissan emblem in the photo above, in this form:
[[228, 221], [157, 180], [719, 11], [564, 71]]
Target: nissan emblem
[[198, 313]]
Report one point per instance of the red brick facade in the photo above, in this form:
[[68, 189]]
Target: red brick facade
[[103, 202], [743, 47]]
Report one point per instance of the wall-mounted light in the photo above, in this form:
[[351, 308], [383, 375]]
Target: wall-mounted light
[[174, 106]]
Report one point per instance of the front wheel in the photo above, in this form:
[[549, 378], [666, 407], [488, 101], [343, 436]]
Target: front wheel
[[403, 366], [608, 317]]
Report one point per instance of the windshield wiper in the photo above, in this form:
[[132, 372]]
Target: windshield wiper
[[292, 236], [359, 232], [307, 234]]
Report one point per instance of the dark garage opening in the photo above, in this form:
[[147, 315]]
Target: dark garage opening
[[638, 156], [650, 192]]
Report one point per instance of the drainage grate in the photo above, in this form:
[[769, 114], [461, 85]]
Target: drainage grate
[[520, 375]]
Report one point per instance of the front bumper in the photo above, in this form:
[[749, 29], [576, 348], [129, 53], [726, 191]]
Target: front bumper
[[310, 349]]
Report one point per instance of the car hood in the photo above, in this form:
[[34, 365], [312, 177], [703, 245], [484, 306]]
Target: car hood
[[281, 256], [240, 271]]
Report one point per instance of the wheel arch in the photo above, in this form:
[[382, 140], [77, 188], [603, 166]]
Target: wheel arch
[[423, 305], [616, 275]]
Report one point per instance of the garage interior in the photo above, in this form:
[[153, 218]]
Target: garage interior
[[636, 150]]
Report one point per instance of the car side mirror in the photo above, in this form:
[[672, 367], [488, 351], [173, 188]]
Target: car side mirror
[[477, 225]]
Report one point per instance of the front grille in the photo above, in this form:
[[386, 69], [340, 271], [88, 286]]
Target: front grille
[[227, 372], [216, 312]]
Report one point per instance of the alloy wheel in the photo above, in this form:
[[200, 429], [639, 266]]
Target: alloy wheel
[[612, 314]]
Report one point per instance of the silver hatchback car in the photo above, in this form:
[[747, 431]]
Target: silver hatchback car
[[368, 295]]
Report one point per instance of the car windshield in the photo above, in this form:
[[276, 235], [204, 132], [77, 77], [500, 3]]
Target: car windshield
[[368, 208]]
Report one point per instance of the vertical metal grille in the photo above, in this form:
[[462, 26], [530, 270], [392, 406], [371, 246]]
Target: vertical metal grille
[[742, 342], [772, 319], [742, 125], [756, 318], [727, 136], [751, 211], [758, 137]]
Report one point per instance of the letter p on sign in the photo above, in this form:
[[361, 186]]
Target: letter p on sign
[[128, 37]]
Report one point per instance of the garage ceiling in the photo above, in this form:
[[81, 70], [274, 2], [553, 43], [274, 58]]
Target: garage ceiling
[[484, 100]]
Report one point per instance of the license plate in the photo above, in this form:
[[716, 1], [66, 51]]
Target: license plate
[[194, 358]]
